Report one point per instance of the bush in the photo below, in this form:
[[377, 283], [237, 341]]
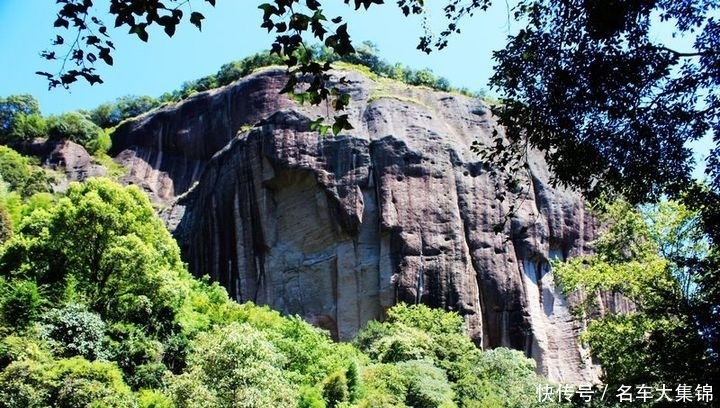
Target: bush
[[12, 108], [154, 399], [137, 354], [75, 127], [66, 383], [427, 385], [74, 331], [310, 397], [21, 305], [21, 176], [241, 367], [335, 389], [5, 224], [14, 168], [27, 127], [101, 144], [111, 114]]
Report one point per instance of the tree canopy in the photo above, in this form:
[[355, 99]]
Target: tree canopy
[[14, 110], [590, 83], [96, 309], [643, 257]]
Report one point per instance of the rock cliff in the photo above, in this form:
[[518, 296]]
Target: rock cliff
[[338, 229]]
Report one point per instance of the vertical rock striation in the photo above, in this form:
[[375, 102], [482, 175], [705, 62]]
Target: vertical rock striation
[[338, 229]]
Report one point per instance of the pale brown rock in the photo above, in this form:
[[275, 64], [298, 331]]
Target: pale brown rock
[[338, 229]]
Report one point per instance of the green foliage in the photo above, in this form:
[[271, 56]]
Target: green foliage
[[642, 257], [120, 256], [240, 367], [385, 386], [353, 382], [41, 201], [74, 331], [27, 127], [110, 114], [24, 346], [83, 383], [14, 168], [100, 145], [137, 354], [20, 303], [678, 234], [25, 384], [235, 70], [12, 202], [75, 127], [21, 176], [38, 183], [432, 321], [5, 224], [392, 344], [617, 99], [335, 389], [227, 73], [427, 386], [18, 113], [310, 352], [310, 397], [433, 341], [628, 260], [66, 383], [188, 390], [153, 399]]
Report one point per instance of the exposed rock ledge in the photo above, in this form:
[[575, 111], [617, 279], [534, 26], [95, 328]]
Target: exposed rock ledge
[[339, 229]]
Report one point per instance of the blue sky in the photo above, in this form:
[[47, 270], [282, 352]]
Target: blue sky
[[230, 32]]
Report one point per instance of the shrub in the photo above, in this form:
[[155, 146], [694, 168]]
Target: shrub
[[427, 385], [21, 305], [5, 224], [75, 127], [310, 397], [14, 168], [111, 114], [74, 331], [12, 108], [335, 389], [27, 126]]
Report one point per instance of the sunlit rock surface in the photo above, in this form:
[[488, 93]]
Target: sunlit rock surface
[[338, 229]]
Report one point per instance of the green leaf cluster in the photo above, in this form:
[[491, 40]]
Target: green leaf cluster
[[423, 358], [20, 119], [109, 115], [641, 259], [21, 174], [73, 126]]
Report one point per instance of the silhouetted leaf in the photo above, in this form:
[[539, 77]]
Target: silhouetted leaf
[[104, 54], [61, 22], [196, 19], [140, 31]]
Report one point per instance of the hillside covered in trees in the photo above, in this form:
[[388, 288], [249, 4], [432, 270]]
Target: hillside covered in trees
[[97, 309]]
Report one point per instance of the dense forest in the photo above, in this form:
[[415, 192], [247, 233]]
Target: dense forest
[[97, 309]]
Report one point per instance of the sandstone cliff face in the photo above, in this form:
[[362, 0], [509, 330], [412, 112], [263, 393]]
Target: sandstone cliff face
[[65, 156], [338, 229]]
